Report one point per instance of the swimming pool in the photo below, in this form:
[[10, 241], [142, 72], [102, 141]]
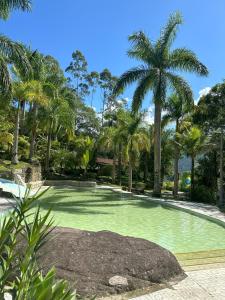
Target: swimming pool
[[95, 210], [11, 187]]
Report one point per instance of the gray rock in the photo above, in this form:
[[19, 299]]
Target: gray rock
[[88, 260], [118, 280]]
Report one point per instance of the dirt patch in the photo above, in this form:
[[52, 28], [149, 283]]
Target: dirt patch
[[88, 260]]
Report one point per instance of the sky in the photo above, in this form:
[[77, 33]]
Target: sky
[[100, 28]]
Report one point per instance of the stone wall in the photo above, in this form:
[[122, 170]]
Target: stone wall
[[30, 174]]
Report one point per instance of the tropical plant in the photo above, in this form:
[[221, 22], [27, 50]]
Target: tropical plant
[[6, 6], [20, 275], [176, 108], [135, 140], [157, 74], [194, 142], [11, 53]]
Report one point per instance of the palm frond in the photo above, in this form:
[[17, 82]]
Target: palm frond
[[6, 6], [180, 86], [129, 77], [169, 32], [142, 48], [5, 79], [186, 60], [144, 85]]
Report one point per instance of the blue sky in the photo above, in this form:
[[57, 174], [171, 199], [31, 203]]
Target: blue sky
[[99, 28]]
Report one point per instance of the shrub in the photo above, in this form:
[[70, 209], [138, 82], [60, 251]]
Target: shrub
[[168, 185], [203, 194], [139, 185], [105, 171], [20, 275]]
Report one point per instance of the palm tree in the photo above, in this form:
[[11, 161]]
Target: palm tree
[[109, 141], [176, 108], [157, 74], [11, 53], [58, 113], [194, 142], [6, 6], [135, 140], [38, 97], [19, 94]]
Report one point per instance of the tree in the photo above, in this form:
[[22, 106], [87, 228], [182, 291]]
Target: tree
[[78, 69], [11, 53], [135, 140], [176, 108], [110, 140], [19, 94], [6, 6], [194, 142], [210, 115], [93, 81], [58, 114], [157, 74], [107, 82]]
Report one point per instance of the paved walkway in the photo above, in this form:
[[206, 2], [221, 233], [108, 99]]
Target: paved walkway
[[199, 285]]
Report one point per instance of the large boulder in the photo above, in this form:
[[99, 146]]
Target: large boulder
[[101, 263]]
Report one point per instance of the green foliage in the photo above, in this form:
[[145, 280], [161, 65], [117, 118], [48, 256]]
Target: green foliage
[[105, 171], [168, 185], [185, 178], [204, 194], [19, 271], [6, 6]]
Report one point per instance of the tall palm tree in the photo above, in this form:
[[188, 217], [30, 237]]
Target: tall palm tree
[[19, 94], [58, 113], [176, 108], [36, 94], [6, 6], [11, 53], [158, 74]]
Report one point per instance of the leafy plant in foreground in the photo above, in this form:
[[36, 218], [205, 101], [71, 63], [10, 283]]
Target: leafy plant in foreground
[[22, 234]]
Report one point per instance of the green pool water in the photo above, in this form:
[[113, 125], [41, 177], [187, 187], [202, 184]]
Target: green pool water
[[96, 210]]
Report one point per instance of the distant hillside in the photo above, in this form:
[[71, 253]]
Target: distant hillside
[[184, 164]]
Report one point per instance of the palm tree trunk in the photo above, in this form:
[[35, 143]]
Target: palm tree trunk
[[192, 174], [16, 137], [146, 167], [120, 163], [157, 150], [33, 132], [176, 165], [114, 169], [130, 177], [48, 147], [221, 190]]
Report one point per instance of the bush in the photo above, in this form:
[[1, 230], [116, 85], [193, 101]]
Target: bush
[[20, 275], [168, 185], [139, 185], [203, 194], [105, 171]]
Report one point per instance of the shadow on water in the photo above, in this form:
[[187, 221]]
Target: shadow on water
[[94, 202]]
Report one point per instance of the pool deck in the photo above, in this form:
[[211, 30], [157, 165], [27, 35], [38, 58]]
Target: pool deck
[[199, 285]]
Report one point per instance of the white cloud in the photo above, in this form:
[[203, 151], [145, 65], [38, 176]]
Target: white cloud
[[149, 115], [203, 92], [127, 99]]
